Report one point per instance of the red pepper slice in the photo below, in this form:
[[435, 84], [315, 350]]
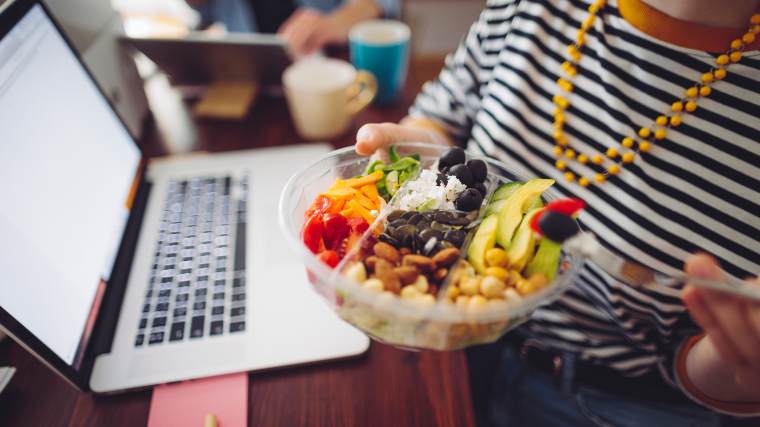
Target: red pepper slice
[[336, 228], [312, 233], [329, 257], [320, 205]]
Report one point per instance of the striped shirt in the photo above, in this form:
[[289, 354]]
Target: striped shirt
[[698, 190]]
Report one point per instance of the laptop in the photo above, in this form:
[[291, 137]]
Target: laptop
[[119, 273]]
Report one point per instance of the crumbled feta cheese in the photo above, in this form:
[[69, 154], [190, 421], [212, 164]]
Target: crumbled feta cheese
[[425, 194]]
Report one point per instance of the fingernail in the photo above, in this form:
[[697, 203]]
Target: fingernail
[[364, 134]]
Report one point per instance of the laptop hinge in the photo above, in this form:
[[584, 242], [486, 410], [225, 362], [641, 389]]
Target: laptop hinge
[[108, 316]]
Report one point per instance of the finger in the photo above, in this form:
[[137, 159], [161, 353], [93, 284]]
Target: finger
[[375, 136], [753, 312], [729, 312], [288, 27], [701, 314]]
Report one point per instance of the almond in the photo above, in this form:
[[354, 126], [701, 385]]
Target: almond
[[446, 257], [384, 272], [406, 274], [387, 251], [420, 262]]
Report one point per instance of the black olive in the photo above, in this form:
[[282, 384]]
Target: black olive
[[455, 237], [557, 226], [470, 199], [480, 187], [455, 156], [444, 217], [398, 223], [443, 169], [442, 179], [404, 231], [431, 233], [415, 219], [408, 214], [395, 215], [463, 174], [388, 239], [478, 169]]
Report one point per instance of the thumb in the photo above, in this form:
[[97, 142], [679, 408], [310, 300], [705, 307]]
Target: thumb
[[376, 136], [703, 265]]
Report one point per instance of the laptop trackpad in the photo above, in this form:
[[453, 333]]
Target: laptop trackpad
[[203, 355]]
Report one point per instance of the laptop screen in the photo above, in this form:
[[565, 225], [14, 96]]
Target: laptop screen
[[67, 165]]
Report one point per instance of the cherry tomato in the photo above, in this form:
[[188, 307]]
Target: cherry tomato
[[312, 233], [358, 225], [566, 206], [336, 228], [329, 257]]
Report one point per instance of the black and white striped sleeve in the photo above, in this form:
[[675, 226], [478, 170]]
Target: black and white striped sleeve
[[455, 96]]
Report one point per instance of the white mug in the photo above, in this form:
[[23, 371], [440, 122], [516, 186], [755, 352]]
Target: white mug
[[324, 94]]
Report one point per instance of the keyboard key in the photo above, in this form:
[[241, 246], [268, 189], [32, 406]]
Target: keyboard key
[[155, 338], [217, 327], [217, 310], [178, 312], [146, 308], [162, 306], [219, 296], [200, 292], [159, 321], [199, 305], [196, 327], [238, 282], [182, 297], [177, 331], [165, 293], [139, 340], [238, 311], [237, 326], [143, 323], [239, 297]]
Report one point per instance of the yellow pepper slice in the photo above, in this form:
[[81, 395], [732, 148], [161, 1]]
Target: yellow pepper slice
[[364, 180], [364, 213]]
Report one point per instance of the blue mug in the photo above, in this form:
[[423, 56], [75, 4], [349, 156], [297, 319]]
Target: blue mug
[[382, 48]]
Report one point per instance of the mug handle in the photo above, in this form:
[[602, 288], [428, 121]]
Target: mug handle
[[361, 92]]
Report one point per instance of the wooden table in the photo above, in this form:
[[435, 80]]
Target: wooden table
[[385, 387]]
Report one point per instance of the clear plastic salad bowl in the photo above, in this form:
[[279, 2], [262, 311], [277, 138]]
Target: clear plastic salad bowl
[[386, 318]]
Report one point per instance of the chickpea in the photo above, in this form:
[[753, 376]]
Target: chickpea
[[470, 285], [453, 292], [375, 285], [421, 284], [498, 272], [497, 257], [491, 287], [410, 292], [539, 280], [426, 300], [511, 295], [356, 272], [525, 287], [462, 301], [477, 302]]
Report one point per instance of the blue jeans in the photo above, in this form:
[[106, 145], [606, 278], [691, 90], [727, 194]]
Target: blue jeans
[[523, 396]]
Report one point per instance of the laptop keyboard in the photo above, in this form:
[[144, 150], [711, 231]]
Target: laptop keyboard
[[197, 281]]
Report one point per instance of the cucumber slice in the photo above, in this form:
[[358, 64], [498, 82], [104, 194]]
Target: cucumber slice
[[505, 190]]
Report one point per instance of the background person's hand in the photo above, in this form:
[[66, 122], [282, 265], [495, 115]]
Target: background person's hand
[[375, 136], [308, 30], [732, 327]]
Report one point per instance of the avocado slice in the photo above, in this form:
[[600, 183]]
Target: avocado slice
[[495, 207], [517, 204], [505, 190], [484, 239], [524, 244], [546, 260]]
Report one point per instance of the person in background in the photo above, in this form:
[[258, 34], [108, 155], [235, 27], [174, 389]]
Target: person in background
[[649, 110], [307, 25]]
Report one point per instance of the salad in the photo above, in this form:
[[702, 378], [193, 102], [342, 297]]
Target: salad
[[451, 237]]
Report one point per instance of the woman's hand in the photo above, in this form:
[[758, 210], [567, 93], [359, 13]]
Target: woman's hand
[[308, 30], [725, 365], [376, 136]]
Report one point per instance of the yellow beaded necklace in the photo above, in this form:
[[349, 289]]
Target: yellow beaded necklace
[[642, 142]]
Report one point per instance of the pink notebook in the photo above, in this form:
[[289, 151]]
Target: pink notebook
[[188, 402]]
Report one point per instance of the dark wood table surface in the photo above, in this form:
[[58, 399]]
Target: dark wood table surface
[[384, 387]]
